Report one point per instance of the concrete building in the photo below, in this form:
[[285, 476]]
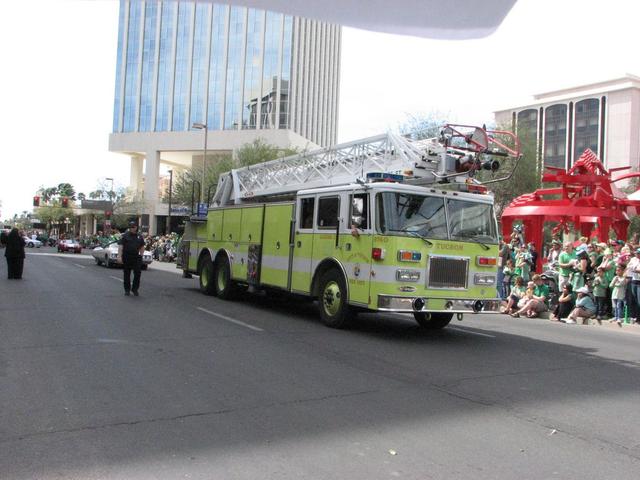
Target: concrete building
[[603, 116], [241, 72]]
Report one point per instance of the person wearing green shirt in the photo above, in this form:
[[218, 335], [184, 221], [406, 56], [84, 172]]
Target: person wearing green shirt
[[566, 262], [538, 303]]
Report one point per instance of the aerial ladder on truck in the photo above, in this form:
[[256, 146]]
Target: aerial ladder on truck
[[304, 224], [453, 157]]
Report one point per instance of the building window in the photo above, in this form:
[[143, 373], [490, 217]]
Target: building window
[[555, 136], [253, 68], [148, 66], [131, 76], [235, 65], [121, 47], [527, 126], [270, 74], [587, 125], [217, 67], [183, 74], [201, 41], [286, 72], [165, 65]]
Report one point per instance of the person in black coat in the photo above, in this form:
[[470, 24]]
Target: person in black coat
[[130, 250], [15, 254]]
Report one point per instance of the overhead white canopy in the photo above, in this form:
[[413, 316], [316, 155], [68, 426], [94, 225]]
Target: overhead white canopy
[[441, 19]]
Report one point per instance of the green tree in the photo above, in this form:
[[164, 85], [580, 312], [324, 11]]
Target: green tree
[[53, 215], [526, 177], [66, 190], [252, 153]]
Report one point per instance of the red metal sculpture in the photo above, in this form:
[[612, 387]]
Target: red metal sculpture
[[586, 198]]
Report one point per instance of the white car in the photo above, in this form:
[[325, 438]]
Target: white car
[[107, 255], [31, 243]]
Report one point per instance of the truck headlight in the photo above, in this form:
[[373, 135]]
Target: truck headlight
[[483, 279], [404, 275]]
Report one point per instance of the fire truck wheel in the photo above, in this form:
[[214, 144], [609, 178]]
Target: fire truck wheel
[[334, 310], [206, 276], [224, 286], [433, 321]]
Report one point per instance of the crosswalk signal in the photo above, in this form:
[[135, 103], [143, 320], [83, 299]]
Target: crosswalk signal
[[65, 202], [36, 201]]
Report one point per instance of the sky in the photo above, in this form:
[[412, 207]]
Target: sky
[[57, 83]]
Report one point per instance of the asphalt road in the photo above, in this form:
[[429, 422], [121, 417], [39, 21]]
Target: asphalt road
[[174, 384]]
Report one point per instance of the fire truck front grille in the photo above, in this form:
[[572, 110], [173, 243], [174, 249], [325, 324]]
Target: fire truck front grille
[[447, 272]]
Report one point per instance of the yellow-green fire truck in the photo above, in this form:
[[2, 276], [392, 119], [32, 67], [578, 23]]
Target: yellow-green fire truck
[[388, 223]]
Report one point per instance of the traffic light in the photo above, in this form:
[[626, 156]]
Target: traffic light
[[107, 215], [36, 201], [65, 202]]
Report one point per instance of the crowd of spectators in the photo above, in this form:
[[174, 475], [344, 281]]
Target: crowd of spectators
[[162, 247], [589, 280]]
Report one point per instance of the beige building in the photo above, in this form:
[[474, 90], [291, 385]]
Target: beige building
[[603, 116]]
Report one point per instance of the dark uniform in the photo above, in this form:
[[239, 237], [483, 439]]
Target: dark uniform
[[131, 260], [15, 253]]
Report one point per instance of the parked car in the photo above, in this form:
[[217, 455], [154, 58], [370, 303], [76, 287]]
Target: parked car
[[107, 255], [69, 246], [31, 243]]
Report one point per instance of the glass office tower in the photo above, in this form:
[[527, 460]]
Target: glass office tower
[[229, 67]]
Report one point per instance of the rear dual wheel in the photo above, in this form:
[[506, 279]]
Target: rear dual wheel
[[207, 276]]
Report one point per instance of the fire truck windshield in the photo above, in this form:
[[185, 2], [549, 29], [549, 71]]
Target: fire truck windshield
[[411, 214]]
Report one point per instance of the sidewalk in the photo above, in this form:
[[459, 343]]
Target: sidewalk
[[627, 327]]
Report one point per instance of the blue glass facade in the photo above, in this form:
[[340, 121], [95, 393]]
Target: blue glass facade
[[148, 66], [185, 62], [234, 68], [199, 69], [118, 95], [217, 67], [165, 66], [252, 68], [132, 70]]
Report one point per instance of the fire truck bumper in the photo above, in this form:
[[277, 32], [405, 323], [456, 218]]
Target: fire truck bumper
[[390, 303]]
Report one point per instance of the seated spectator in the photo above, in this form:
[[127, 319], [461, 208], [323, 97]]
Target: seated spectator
[[538, 303], [565, 303], [585, 308], [517, 292]]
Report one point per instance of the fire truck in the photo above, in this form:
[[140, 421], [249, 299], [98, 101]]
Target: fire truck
[[392, 223]]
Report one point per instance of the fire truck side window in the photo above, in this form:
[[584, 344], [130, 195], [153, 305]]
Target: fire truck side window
[[306, 212], [360, 211], [328, 210]]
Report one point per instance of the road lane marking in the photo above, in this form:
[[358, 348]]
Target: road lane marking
[[116, 278], [229, 319], [470, 332], [81, 266]]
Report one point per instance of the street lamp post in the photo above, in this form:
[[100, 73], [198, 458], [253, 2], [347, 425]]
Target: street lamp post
[[170, 190], [202, 126], [111, 194]]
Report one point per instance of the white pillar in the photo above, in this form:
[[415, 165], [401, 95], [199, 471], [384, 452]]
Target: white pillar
[[151, 179], [135, 178]]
